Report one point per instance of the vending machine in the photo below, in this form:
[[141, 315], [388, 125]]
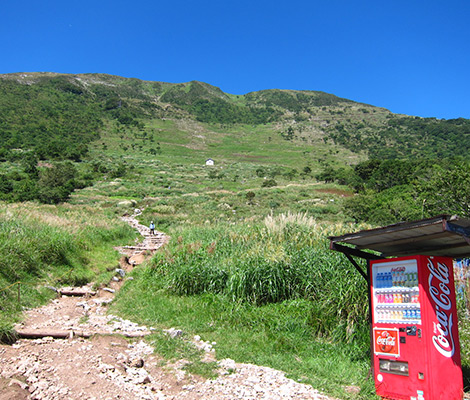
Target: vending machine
[[415, 343]]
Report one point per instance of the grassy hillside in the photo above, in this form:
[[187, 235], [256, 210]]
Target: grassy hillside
[[110, 125], [47, 107], [248, 234]]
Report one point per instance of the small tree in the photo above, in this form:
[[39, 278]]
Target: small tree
[[118, 172], [327, 175], [446, 191], [289, 135], [56, 183], [291, 174], [6, 187]]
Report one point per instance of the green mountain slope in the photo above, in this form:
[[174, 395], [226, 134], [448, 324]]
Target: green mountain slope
[[58, 115]]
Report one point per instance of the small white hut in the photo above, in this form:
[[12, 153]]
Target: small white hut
[[209, 161]]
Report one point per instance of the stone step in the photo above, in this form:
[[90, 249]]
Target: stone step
[[141, 248]]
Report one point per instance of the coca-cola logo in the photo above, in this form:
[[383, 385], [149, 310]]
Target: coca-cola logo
[[398, 269], [439, 292], [386, 342]]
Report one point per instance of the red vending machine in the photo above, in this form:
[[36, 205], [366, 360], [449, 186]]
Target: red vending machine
[[416, 351]]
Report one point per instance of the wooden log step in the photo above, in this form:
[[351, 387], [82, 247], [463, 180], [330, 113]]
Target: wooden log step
[[141, 248], [62, 334], [133, 334], [55, 333], [76, 292]]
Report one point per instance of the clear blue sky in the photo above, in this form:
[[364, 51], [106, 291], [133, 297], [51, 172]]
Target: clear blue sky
[[412, 57]]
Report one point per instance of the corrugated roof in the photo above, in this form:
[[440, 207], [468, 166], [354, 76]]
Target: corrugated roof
[[443, 235]]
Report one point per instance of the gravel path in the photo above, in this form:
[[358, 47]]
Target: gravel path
[[106, 357]]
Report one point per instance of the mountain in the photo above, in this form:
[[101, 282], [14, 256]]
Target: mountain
[[59, 115]]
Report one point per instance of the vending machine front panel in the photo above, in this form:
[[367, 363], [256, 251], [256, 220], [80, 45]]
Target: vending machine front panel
[[409, 328]]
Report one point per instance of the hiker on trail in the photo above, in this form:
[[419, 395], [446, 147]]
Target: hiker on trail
[[152, 228]]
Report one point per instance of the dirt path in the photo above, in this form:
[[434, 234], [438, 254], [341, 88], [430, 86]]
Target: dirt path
[[196, 194], [106, 357]]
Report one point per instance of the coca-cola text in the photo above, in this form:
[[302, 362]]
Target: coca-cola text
[[439, 291]]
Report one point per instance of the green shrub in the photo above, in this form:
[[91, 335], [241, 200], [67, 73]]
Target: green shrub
[[269, 183]]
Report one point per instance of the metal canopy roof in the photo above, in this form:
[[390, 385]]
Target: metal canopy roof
[[443, 235]]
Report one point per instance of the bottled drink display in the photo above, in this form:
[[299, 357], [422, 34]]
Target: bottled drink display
[[396, 293]]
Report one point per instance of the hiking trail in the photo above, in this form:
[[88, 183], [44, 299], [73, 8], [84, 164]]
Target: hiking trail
[[72, 348]]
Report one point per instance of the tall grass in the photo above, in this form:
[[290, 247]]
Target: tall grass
[[285, 258], [49, 246], [28, 246]]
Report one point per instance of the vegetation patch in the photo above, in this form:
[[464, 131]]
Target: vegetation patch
[[269, 294], [45, 246]]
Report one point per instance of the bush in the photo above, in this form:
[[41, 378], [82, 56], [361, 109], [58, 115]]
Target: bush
[[387, 207], [269, 183], [250, 196]]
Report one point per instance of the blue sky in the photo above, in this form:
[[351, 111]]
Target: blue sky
[[412, 57]]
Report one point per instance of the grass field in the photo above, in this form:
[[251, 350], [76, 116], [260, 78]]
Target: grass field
[[248, 265]]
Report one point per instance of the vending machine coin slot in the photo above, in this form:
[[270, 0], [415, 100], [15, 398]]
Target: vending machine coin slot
[[402, 339], [411, 330], [419, 333]]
